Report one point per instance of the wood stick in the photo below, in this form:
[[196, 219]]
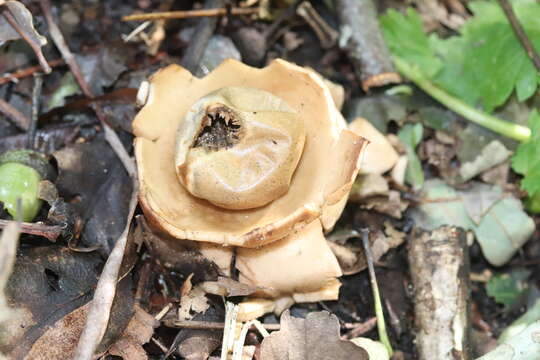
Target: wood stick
[[17, 117], [364, 43], [22, 73], [186, 14], [51, 232], [439, 264], [215, 325]]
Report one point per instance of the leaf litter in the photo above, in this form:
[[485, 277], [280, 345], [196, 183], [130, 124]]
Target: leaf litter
[[94, 182]]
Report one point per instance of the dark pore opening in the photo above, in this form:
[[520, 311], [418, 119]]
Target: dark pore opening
[[221, 129]]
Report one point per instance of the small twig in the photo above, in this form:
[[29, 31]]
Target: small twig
[[19, 74], [284, 16], [216, 325], [520, 33], [61, 44], [8, 242], [18, 119], [51, 232], [158, 343], [361, 329], [381, 326], [6, 12], [100, 308], [36, 94], [136, 31], [186, 14], [326, 34]]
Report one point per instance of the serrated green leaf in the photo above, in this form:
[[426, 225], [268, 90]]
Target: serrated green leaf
[[484, 64], [406, 38], [507, 288]]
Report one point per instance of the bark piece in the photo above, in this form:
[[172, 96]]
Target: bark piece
[[439, 263], [363, 41]]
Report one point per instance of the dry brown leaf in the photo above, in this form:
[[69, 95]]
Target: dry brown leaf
[[395, 237], [60, 340], [198, 344], [350, 255], [138, 332], [392, 205], [315, 338], [193, 303]]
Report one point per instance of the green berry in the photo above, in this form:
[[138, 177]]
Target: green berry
[[19, 181]]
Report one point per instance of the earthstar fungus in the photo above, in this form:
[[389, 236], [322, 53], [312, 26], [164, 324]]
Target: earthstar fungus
[[258, 159]]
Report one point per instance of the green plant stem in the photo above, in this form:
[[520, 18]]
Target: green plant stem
[[514, 131], [381, 325]]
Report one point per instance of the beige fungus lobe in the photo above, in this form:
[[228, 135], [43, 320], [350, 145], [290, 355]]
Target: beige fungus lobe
[[259, 159], [174, 210]]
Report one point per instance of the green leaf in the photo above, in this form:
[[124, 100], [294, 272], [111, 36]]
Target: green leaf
[[501, 227], [411, 135], [406, 39], [484, 64], [526, 162], [504, 229], [508, 288], [532, 314]]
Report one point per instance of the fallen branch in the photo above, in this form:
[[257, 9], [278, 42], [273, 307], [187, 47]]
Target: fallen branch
[[186, 14], [439, 264], [362, 39]]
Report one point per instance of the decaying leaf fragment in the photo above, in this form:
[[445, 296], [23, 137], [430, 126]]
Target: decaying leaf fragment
[[260, 159], [315, 338], [23, 18], [15, 23]]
